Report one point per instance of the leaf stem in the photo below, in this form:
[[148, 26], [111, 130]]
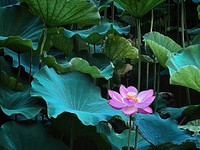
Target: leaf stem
[[19, 70], [136, 138], [129, 133], [72, 136], [30, 65], [113, 11], [42, 47]]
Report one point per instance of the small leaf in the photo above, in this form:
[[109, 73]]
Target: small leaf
[[117, 47], [6, 3], [72, 92], [162, 46], [62, 12], [10, 82], [193, 126]]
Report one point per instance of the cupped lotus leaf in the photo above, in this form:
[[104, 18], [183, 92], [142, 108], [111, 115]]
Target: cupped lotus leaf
[[21, 31], [119, 141], [184, 68], [193, 126], [78, 64], [62, 12], [10, 82], [139, 8], [6, 3], [153, 124], [162, 46], [18, 136], [13, 102], [72, 92], [95, 34], [117, 47]]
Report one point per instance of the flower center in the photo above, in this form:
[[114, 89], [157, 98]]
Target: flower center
[[131, 95]]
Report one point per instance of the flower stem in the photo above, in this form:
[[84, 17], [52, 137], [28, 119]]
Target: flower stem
[[136, 138], [183, 40], [129, 133], [113, 11], [139, 53]]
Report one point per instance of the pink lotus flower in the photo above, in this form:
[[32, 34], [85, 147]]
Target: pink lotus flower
[[130, 101]]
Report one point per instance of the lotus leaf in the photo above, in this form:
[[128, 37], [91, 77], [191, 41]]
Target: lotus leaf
[[21, 31], [72, 92], [184, 68], [62, 12]]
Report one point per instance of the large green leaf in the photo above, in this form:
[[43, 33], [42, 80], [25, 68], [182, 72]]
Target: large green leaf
[[15, 136], [139, 8], [72, 92], [62, 12], [184, 68], [12, 102], [79, 64], [67, 123], [21, 31], [97, 33], [162, 46], [160, 131], [117, 47], [119, 141]]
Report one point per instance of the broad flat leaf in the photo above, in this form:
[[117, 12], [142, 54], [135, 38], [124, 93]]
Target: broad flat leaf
[[5, 3], [97, 33], [193, 126], [13, 102], [120, 140], [162, 46], [21, 31], [15, 136], [160, 131], [117, 47], [62, 12], [184, 68], [78, 64], [72, 92], [139, 8], [10, 82]]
